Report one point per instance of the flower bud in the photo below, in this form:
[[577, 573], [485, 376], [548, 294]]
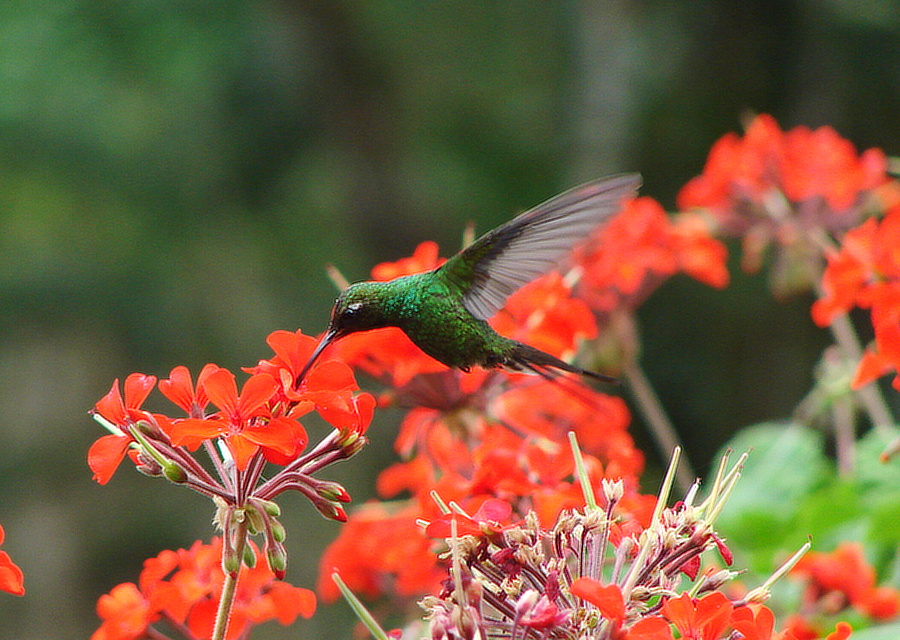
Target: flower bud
[[276, 557], [332, 491], [278, 531], [148, 466], [146, 428], [330, 510], [613, 490], [255, 522], [269, 507], [231, 563], [174, 473], [249, 556]]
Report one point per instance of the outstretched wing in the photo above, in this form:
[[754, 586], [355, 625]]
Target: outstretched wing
[[493, 267]]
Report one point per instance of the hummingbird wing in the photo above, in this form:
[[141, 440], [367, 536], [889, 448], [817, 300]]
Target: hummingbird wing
[[501, 261]]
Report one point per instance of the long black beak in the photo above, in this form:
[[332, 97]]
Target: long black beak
[[330, 336]]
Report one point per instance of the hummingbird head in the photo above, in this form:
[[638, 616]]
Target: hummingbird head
[[358, 308]]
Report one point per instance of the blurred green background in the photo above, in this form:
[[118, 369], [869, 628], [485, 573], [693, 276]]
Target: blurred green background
[[175, 175]]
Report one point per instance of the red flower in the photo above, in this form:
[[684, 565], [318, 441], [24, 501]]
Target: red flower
[[424, 258], [703, 619], [842, 631], [819, 163], [544, 315], [737, 168], [488, 520], [607, 598], [845, 571], [108, 451], [753, 625], [788, 188], [639, 249], [12, 580], [866, 273], [185, 586], [125, 612], [244, 421], [804, 164], [125, 413], [329, 386], [379, 551], [654, 628], [179, 389]]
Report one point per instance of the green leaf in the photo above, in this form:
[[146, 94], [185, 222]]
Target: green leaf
[[786, 463], [869, 468]]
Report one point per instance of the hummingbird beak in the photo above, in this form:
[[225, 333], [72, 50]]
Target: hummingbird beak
[[330, 336]]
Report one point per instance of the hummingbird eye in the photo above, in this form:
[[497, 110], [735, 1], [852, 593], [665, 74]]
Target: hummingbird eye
[[353, 308]]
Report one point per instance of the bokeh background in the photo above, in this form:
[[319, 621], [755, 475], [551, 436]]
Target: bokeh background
[[175, 175]]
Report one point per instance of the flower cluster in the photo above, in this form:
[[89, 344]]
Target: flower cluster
[[590, 575], [181, 589], [865, 272], [641, 247], [844, 577], [790, 188], [243, 433]]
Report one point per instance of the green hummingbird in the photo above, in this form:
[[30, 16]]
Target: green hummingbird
[[445, 311]]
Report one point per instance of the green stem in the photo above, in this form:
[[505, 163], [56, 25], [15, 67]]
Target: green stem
[[230, 587], [590, 500], [661, 428], [844, 436], [360, 609]]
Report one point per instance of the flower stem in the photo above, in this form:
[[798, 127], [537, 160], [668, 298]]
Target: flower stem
[[661, 428], [844, 436], [869, 395], [359, 609], [230, 587]]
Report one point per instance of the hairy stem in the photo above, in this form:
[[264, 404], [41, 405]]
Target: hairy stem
[[660, 426], [230, 587]]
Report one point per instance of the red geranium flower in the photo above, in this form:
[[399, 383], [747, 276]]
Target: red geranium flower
[[865, 272], [125, 612], [184, 587], [607, 598], [108, 451], [179, 388], [845, 571], [703, 619], [753, 625], [789, 188], [244, 421], [488, 520], [639, 249], [425, 257]]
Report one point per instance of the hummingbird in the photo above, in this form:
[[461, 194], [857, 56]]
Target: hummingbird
[[445, 311]]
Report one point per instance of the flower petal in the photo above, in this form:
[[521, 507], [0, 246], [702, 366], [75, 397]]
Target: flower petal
[[105, 455]]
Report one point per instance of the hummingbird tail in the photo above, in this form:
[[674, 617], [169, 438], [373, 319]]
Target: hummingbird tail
[[526, 357]]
